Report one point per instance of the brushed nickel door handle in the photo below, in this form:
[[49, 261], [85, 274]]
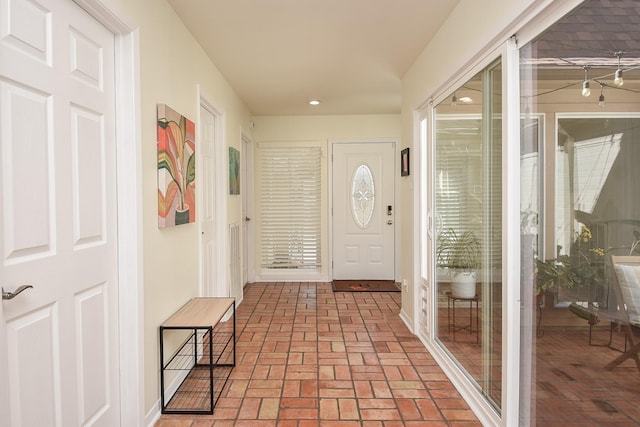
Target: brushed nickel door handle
[[12, 295]]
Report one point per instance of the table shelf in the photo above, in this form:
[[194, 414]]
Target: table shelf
[[200, 366]]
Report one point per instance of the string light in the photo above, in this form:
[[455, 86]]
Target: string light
[[586, 90], [599, 79], [617, 79], [601, 98]]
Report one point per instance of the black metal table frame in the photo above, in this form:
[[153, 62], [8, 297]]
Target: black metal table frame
[[453, 326], [211, 363]]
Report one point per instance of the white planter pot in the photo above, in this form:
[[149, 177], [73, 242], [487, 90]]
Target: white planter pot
[[463, 285]]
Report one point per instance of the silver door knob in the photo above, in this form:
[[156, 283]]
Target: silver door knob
[[12, 295]]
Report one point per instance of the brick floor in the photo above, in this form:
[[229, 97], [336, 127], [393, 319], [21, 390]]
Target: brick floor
[[307, 356]]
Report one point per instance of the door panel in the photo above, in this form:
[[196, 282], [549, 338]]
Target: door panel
[[363, 224], [28, 224], [33, 380], [58, 340]]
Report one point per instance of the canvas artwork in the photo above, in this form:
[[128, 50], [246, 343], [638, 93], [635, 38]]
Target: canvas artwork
[[176, 168], [234, 171]]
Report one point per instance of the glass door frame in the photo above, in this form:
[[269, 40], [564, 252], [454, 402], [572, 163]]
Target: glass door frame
[[425, 303]]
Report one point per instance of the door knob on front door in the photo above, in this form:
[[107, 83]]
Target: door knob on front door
[[390, 222], [12, 295]]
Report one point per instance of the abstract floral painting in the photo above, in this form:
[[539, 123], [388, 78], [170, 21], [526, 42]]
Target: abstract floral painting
[[176, 168], [234, 171]]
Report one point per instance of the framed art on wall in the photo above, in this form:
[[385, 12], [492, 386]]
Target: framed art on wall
[[176, 168], [404, 162], [234, 171]]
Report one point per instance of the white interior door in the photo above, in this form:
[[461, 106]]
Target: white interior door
[[247, 210], [59, 340], [207, 215], [363, 217]]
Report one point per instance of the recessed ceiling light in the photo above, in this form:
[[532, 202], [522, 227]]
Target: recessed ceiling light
[[314, 102]]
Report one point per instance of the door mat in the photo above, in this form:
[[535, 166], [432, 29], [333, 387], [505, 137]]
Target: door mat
[[365, 286]]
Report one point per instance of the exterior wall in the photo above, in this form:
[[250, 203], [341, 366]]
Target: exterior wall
[[325, 129], [172, 65]]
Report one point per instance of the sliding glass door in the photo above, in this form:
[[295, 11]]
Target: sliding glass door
[[467, 190], [580, 206]]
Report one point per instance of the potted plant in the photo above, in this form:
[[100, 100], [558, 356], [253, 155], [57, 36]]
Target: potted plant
[[460, 255], [583, 268]]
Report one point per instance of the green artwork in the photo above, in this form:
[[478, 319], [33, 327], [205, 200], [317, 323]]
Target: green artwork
[[234, 171]]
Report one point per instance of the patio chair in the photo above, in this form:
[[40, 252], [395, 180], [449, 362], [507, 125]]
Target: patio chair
[[627, 289]]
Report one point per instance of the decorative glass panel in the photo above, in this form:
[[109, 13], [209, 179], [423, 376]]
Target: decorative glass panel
[[363, 195]]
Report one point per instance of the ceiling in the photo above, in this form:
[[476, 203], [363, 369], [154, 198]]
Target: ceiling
[[349, 54]]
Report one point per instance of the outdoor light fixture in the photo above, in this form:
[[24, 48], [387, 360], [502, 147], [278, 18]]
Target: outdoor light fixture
[[601, 98], [586, 90], [617, 78], [314, 102]]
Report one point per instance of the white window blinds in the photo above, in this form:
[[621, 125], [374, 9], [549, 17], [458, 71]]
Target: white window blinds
[[289, 198], [468, 185]]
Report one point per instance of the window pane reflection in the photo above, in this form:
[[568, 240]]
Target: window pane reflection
[[582, 160]]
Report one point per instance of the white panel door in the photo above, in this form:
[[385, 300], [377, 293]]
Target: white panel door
[[247, 212], [363, 219], [59, 339], [208, 180]]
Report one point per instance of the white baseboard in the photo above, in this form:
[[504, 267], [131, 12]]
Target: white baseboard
[[290, 277], [407, 321], [154, 414]]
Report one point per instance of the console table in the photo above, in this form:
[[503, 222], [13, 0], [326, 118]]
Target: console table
[[203, 335]]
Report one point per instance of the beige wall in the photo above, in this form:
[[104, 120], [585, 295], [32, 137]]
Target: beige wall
[[471, 29], [325, 129], [172, 66]]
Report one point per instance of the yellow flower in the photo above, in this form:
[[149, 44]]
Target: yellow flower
[[585, 234]]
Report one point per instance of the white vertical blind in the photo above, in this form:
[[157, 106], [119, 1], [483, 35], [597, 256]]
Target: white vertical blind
[[468, 192], [289, 199], [458, 181]]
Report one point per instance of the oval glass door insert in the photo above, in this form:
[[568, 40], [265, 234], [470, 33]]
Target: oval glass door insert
[[363, 196]]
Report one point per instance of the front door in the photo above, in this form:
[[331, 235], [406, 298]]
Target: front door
[[363, 211], [59, 355]]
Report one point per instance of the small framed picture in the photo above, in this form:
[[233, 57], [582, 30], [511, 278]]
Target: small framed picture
[[404, 162]]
